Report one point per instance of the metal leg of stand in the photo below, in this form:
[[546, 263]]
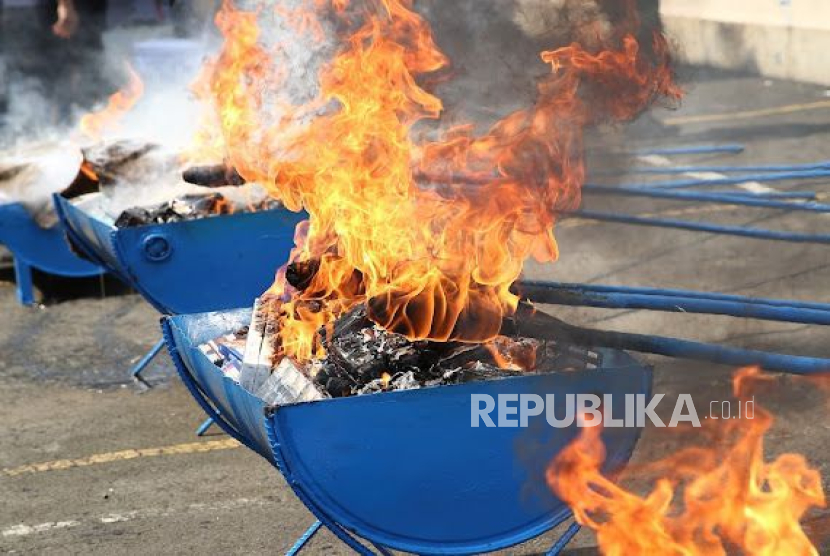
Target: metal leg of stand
[[141, 365], [23, 276], [563, 541], [303, 540], [203, 428]]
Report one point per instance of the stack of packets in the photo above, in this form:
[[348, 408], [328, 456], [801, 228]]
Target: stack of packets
[[226, 353], [246, 357]]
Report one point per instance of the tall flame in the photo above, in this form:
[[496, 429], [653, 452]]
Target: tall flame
[[431, 260], [708, 500], [107, 120], [228, 87]]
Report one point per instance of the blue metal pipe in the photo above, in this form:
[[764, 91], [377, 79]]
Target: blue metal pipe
[[564, 540], [806, 195], [582, 297], [723, 169], [204, 427], [735, 180], [720, 198], [142, 364], [541, 285], [304, 538], [708, 227], [712, 353], [695, 149]]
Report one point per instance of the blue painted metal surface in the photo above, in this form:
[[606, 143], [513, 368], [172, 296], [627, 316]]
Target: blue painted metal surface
[[822, 165], [706, 227], [735, 180], [675, 301], [406, 470], [692, 149], [304, 539], [36, 247], [148, 357], [730, 198], [189, 267]]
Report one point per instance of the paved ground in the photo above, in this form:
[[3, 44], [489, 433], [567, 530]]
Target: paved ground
[[65, 396]]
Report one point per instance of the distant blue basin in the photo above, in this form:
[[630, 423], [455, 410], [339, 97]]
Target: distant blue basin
[[209, 264], [40, 248]]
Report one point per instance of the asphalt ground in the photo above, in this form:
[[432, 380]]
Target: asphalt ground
[[93, 463]]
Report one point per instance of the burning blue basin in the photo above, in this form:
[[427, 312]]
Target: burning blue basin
[[188, 267], [406, 470], [40, 248]]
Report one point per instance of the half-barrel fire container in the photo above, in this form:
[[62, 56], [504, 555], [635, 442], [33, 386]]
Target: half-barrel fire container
[[209, 264], [35, 247], [406, 470]]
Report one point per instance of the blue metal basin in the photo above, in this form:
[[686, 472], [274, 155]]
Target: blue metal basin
[[406, 470], [40, 248], [189, 267]]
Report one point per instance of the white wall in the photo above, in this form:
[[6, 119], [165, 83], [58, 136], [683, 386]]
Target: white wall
[[786, 39]]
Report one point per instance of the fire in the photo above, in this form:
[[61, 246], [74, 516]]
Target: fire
[[88, 171], [229, 87], [707, 501], [430, 260], [96, 124]]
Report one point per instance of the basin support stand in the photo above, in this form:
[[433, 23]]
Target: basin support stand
[[203, 428], [145, 361], [304, 538], [23, 276], [563, 541]]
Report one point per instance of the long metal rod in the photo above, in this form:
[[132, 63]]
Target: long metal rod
[[304, 538], [712, 353], [693, 149], [719, 198], [204, 427], [564, 540], [472, 179], [735, 180], [805, 195], [540, 287], [745, 308], [708, 227], [723, 169], [544, 326]]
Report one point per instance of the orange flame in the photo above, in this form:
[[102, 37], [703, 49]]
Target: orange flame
[[228, 85], [708, 500], [96, 124], [432, 261]]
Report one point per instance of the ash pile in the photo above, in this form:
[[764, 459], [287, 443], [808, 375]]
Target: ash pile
[[124, 183], [361, 358]]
